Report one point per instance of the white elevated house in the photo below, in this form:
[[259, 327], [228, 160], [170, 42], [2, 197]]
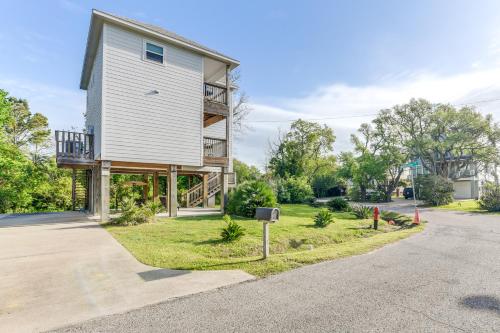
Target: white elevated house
[[158, 105]]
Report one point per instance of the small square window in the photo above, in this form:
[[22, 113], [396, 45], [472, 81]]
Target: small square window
[[154, 52]]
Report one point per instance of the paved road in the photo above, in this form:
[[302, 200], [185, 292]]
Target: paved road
[[446, 279]]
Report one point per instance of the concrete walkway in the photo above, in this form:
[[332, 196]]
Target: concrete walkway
[[62, 268]]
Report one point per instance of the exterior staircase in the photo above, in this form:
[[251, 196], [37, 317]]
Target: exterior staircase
[[194, 196], [80, 183]]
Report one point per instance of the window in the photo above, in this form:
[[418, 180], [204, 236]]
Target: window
[[154, 52]]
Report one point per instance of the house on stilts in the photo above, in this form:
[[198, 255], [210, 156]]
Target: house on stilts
[[158, 105]]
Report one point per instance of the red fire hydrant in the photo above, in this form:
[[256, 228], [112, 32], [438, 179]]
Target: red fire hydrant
[[375, 218]]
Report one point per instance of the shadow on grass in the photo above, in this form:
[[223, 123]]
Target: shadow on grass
[[363, 227], [233, 263], [213, 241], [199, 218]]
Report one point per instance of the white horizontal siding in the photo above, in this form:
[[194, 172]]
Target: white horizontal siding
[[143, 127], [217, 130], [94, 99]]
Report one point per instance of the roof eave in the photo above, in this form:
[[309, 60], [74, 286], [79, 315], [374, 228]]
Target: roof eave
[[230, 61], [99, 17], [89, 51]]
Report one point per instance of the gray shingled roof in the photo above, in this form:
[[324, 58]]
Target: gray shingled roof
[[169, 34]]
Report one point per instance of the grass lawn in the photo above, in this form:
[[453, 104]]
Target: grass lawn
[[470, 205], [193, 243]]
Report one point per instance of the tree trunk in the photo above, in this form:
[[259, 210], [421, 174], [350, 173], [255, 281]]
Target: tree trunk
[[362, 192]]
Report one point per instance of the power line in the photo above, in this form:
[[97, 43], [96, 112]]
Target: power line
[[480, 101], [358, 116], [327, 118]]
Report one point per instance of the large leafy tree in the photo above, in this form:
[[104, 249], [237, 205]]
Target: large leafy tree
[[303, 151], [23, 128], [382, 155], [447, 140], [28, 184], [245, 172]]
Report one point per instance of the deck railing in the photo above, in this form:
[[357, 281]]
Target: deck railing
[[74, 146], [213, 147], [215, 93]]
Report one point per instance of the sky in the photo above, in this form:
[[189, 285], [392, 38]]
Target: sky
[[337, 62]]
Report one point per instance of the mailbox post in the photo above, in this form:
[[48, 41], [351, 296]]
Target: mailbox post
[[265, 239], [266, 215]]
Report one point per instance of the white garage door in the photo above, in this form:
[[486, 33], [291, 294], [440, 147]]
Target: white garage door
[[462, 190]]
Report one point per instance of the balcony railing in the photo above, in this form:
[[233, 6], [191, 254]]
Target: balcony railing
[[215, 93], [213, 147], [74, 147]]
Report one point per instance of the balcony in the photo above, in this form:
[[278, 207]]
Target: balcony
[[215, 152], [74, 149], [215, 103]]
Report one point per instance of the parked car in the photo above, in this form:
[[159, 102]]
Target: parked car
[[408, 193]]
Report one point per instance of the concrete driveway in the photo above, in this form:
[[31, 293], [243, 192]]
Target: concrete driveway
[[58, 269], [446, 279]]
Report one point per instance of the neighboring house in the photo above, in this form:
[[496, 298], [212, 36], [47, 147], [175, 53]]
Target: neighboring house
[[467, 180], [158, 106]]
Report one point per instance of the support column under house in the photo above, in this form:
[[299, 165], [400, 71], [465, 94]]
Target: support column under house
[[105, 176], [172, 191]]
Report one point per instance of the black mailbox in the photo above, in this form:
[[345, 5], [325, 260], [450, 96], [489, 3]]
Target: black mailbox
[[267, 214]]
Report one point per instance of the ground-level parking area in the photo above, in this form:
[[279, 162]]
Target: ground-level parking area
[[63, 268]]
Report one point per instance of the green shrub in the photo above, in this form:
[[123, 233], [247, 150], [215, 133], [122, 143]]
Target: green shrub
[[362, 212], [338, 205], [323, 218], [133, 214], [377, 196], [322, 184], [490, 197], [398, 219], [232, 231], [250, 195], [154, 207], [354, 194], [294, 190], [434, 190]]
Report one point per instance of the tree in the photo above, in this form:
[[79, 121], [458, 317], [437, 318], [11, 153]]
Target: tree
[[5, 106], [381, 156], [241, 107], [303, 151], [24, 129], [494, 165], [445, 139], [28, 185], [14, 178], [323, 183], [245, 172]]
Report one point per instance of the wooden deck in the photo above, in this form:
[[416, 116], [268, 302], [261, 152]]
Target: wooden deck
[[215, 105], [74, 149]]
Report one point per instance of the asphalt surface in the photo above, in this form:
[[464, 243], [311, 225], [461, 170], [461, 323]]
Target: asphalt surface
[[446, 279]]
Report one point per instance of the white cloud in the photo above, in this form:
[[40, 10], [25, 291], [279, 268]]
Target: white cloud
[[350, 105], [63, 107]]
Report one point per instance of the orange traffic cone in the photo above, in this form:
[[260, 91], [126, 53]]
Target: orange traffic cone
[[416, 219]]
